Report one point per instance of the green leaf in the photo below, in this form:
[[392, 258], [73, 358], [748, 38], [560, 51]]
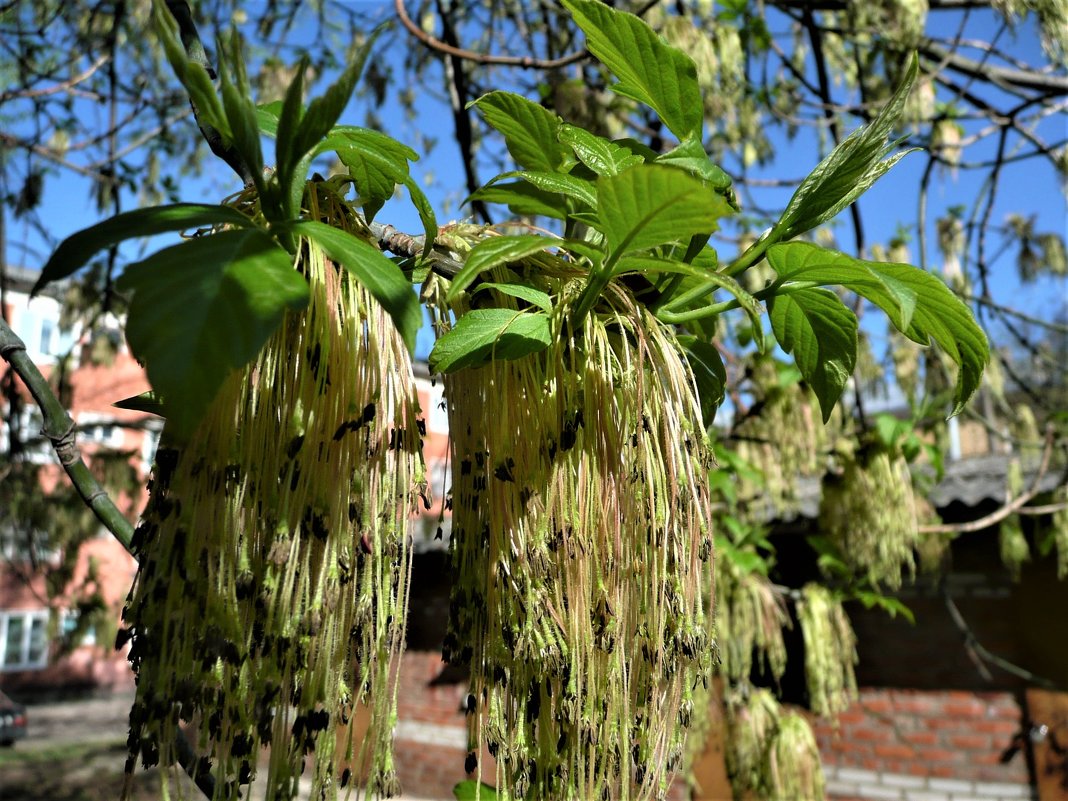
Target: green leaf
[[323, 112], [651, 205], [485, 334], [849, 170], [382, 278], [204, 308], [426, 214], [691, 156], [918, 304], [470, 790], [533, 296], [145, 402], [708, 372], [529, 130], [821, 333], [241, 113], [522, 198], [267, 117], [493, 252], [649, 69], [77, 249], [193, 76], [602, 156], [558, 184], [376, 164]]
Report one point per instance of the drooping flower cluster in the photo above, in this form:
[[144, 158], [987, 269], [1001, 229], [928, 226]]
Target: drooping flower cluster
[[272, 589], [581, 549]]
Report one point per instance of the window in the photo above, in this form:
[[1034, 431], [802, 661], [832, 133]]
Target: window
[[70, 626], [23, 640]]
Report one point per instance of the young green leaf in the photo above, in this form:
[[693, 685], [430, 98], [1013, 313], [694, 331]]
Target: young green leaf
[[522, 198], [821, 333], [382, 278], [649, 205], [649, 69], [485, 334], [376, 164], [426, 214], [324, 111], [556, 183], [691, 156], [601, 155], [849, 170], [240, 112], [75, 251], [918, 304], [529, 130], [204, 308], [192, 75], [493, 252], [535, 297]]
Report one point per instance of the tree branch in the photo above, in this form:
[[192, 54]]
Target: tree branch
[[59, 429], [523, 62], [1009, 508]]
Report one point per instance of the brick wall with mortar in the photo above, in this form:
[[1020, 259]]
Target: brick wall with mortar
[[910, 745]]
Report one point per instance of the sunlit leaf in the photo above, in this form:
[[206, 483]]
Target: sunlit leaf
[[821, 333], [382, 278], [529, 130], [485, 334], [649, 69], [76, 250], [204, 308]]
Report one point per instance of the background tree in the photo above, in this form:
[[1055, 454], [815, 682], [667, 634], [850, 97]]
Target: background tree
[[774, 74]]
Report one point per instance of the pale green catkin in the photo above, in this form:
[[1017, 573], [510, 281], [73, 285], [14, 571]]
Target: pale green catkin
[[750, 618], [870, 513], [581, 549], [272, 590], [830, 650]]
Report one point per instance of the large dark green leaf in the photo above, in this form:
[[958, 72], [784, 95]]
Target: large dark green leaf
[[529, 130], [649, 205], [485, 334], [649, 69], [204, 308], [849, 170], [382, 278], [917, 303], [821, 333], [523, 198], [601, 155], [493, 252], [76, 250]]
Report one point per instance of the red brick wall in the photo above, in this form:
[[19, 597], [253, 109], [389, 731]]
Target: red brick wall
[[951, 734]]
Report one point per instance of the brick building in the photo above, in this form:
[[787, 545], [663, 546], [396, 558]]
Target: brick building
[[930, 725]]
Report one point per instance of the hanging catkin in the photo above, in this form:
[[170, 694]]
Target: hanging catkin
[[271, 595], [581, 554]]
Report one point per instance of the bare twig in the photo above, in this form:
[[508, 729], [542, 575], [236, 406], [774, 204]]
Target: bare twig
[[62, 86], [523, 62], [1007, 509], [981, 656]]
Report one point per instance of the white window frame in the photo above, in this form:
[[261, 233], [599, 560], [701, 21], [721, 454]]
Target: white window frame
[[67, 623], [28, 617]]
